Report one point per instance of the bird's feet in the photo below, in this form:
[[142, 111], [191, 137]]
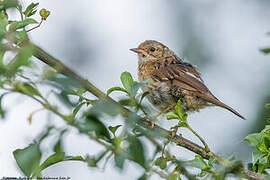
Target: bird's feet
[[174, 132], [152, 124]]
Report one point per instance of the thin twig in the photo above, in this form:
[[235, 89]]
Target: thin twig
[[201, 139], [35, 26], [160, 173]]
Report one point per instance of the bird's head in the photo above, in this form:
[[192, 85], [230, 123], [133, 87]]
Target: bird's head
[[151, 50]]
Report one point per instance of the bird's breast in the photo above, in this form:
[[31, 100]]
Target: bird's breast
[[159, 92], [145, 70]]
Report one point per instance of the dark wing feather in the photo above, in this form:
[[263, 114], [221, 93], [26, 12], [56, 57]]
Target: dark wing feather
[[188, 78]]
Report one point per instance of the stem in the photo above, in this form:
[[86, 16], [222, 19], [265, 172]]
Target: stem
[[34, 112], [160, 173], [35, 26], [21, 13], [201, 139], [107, 160]]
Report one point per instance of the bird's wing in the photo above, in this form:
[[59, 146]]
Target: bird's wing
[[182, 75], [185, 76]]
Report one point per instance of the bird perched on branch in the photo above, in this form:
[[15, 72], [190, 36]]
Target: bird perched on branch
[[173, 80]]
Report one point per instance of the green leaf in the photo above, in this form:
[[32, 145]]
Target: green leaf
[[2, 66], [105, 107], [31, 9], [113, 129], [178, 108], [21, 59], [51, 160], [174, 177], [92, 123], [264, 144], [203, 173], [130, 85], [184, 117], [3, 24], [61, 82], [28, 159], [119, 160], [31, 89], [2, 111], [126, 80], [10, 3], [64, 96], [260, 169], [117, 143], [161, 162], [266, 128], [77, 109], [58, 146], [128, 102], [91, 161], [258, 156], [265, 50], [56, 158], [198, 162], [116, 89], [136, 150], [132, 119], [143, 177], [267, 105], [26, 88], [21, 35], [21, 24], [73, 158], [136, 86], [172, 115], [211, 161], [253, 139], [143, 96]]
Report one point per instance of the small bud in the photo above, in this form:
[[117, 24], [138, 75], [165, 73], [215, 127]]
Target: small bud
[[44, 14]]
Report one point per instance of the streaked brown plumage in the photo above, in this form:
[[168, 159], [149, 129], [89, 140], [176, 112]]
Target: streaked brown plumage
[[173, 79]]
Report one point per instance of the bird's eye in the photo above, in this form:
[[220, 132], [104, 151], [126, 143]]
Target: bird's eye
[[143, 55], [152, 49]]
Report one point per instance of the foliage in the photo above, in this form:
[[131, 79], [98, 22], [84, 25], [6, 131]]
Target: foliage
[[261, 154], [261, 142], [122, 143]]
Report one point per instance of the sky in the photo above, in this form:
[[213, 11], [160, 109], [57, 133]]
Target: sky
[[94, 37]]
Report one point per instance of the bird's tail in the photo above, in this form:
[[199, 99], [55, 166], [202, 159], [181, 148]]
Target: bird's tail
[[217, 102]]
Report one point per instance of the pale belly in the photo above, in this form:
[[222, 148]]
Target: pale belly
[[159, 94]]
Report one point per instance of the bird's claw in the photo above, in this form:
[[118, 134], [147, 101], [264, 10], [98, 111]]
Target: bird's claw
[[152, 124], [173, 133]]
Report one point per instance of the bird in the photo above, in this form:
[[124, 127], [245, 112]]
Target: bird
[[173, 79]]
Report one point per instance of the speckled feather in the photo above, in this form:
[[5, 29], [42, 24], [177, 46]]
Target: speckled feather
[[173, 79]]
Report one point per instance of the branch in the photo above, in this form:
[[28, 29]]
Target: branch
[[178, 140]]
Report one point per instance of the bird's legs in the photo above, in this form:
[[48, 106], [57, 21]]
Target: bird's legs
[[170, 107], [174, 132]]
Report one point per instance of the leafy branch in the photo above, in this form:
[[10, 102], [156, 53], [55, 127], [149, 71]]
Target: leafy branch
[[179, 140], [121, 142]]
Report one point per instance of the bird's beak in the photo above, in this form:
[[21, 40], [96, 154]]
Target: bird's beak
[[139, 51]]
